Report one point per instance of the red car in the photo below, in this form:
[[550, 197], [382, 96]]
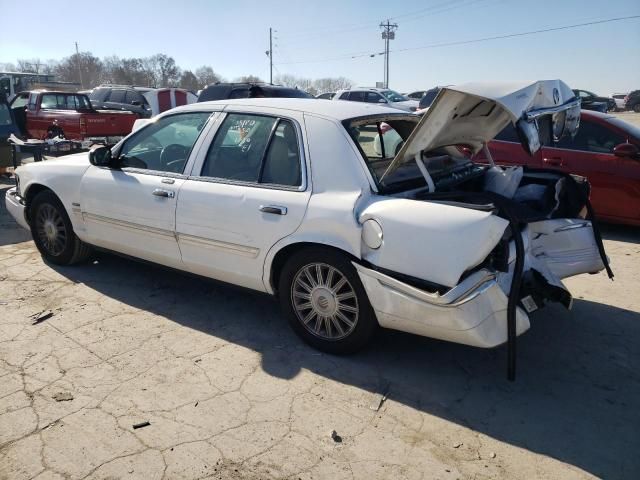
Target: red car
[[606, 150]]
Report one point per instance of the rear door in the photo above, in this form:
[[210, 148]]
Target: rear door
[[248, 190], [590, 154]]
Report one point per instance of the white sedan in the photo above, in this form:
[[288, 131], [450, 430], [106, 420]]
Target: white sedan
[[290, 197]]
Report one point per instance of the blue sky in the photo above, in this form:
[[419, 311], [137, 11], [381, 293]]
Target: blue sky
[[233, 36]]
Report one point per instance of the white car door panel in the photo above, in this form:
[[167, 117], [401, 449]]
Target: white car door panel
[[248, 191], [131, 207], [224, 233], [132, 213]]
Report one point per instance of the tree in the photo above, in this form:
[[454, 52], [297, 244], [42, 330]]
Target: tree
[[189, 81], [249, 79], [68, 70], [162, 69], [206, 76], [330, 84]]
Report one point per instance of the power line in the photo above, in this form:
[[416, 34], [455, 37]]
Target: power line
[[355, 55]]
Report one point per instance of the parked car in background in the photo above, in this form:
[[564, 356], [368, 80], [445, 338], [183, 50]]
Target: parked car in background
[[591, 101], [285, 196], [417, 95], [163, 99], [326, 95], [606, 150], [121, 97], [381, 96], [428, 98], [620, 99], [40, 112], [8, 127], [632, 101], [226, 91]]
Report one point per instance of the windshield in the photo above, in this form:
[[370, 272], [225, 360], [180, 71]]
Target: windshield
[[380, 139], [393, 96]]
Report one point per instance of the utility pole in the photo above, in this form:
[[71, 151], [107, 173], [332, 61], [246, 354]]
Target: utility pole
[[389, 33], [79, 69], [270, 56]]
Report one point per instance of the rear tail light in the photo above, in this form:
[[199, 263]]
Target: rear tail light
[[83, 125]]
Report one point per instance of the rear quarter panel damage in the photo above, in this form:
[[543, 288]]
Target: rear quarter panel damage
[[429, 240]]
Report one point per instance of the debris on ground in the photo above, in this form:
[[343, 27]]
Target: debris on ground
[[492, 455], [140, 425], [62, 397], [457, 444], [41, 316], [379, 399], [336, 438]]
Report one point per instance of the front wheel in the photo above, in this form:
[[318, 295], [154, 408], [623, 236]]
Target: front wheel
[[636, 108], [53, 233], [325, 301]]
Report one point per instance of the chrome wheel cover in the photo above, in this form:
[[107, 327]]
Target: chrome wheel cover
[[50, 229], [324, 301]]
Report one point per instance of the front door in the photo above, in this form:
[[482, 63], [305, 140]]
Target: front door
[[131, 209], [248, 192]]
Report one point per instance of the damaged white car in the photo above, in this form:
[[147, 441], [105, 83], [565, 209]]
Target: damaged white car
[[300, 199]]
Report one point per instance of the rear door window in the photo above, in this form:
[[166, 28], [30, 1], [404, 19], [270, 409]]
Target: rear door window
[[592, 137], [117, 95]]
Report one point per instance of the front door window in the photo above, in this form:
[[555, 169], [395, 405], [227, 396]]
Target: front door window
[[164, 145]]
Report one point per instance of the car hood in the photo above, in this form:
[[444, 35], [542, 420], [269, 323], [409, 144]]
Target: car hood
[[473, 114]]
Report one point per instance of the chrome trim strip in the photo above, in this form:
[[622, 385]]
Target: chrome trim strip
[[472, 286], [532, 114], [267, 186], [127, 225], [242, 250], [573, 226]]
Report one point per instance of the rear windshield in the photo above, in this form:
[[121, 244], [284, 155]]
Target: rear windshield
[[285, 93], [379, 140]]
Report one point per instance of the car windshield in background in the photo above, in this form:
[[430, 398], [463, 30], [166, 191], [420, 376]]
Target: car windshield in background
[[393, 96], [379, 140]]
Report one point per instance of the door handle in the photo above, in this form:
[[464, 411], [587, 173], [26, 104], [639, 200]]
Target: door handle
[[159, 192], [275, 209], [556, 161]]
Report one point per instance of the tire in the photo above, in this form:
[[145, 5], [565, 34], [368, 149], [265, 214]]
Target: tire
[[636, 108], [53, 233], [348, 323]]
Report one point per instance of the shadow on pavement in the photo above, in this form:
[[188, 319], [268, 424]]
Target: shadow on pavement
[[575, 398], [620, 233]]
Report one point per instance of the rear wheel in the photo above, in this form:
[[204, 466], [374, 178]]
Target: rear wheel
[[53, 233], [636, 108], [325, 301]]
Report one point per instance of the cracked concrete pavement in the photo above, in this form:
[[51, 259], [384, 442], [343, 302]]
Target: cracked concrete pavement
[[230, 392]]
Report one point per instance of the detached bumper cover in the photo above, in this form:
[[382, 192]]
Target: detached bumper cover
[[16, 207], [472, 313]]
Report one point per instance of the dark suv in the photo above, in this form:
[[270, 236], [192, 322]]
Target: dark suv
[[632, 101], [224, 91], [121, 97], [591, 101]]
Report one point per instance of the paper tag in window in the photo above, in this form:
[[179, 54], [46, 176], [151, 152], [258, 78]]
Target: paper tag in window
[[529, 304]]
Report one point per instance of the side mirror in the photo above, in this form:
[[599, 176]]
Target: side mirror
[[626, 150], [382, 100], [100, 156]]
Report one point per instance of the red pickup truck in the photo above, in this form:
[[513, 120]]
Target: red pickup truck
[[38, 113]]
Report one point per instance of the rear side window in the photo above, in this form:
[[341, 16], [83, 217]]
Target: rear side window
[[255, 149], [61, 101], [592, 137], [117, 95], [357, 96], [239, 93], [99, 94]]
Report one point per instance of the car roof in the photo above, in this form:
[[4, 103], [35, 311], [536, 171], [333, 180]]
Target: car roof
[[336, 110]]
